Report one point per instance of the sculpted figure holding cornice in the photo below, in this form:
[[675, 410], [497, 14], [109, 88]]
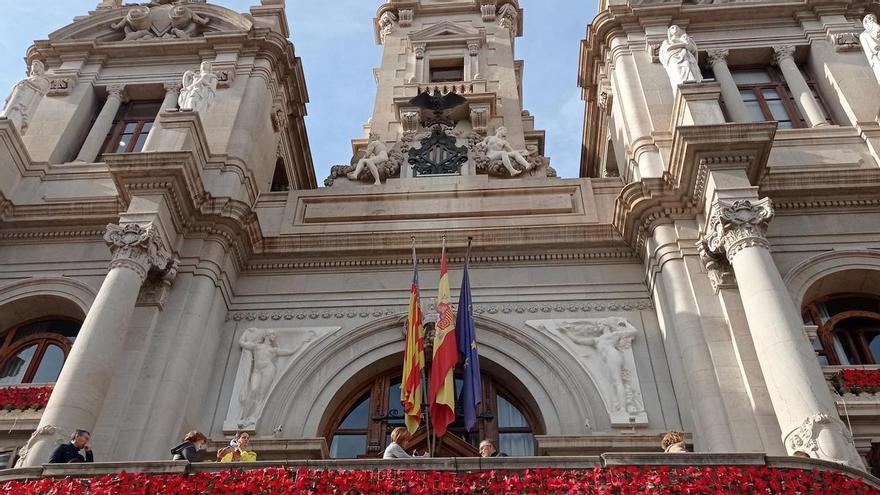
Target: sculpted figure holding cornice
[[498, 148], [870, 39], [678, 54], [376, 154], [198, 90], [26, 95]]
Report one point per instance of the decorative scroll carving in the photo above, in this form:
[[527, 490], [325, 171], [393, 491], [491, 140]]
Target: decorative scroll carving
[[508, 18], [678, 54], [26, 96], [266, 353], [162, 22], [824, 437], [139, 249], [604, 347], [733, 227], [386, 24]]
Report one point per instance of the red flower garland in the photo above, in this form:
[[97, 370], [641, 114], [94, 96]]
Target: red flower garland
[[857, 381], [24, 397], [629, 480]]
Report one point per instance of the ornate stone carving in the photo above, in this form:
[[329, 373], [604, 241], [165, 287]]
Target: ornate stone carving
[[604, 98], [678, 54], [26, 96], [162, 22], [474, 47], [198, 90], [376, 154], [279, 119], [604, 346], [824, 437], [480, 118], [845, 42], [139, 249], [410, 120], [733, 227], [419, 50], [386, 24], [488, 12], [508, 18], [782, 52], [43, 431], [870, 39], [405, 17], [265, 354], [389, 168], [718, 55], [158, 286], [717, 268], [494, 156]]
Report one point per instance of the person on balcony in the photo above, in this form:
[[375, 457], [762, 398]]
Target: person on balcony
[[487, 449], [399, 442], [69, 452], [193, 442], [673, 443], [237, 450]]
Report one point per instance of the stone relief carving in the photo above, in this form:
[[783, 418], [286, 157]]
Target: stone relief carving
[[386, 24], [717, 268], [819, 436], [406, 17], [198, 90], [845, 42], [162, 22], [604, 347], [386, 169], [488, 12], [494, 156], [870, 39], [43, 431], [266, 353], [508, 18], [26, 96], [138, 248], [735, 226], [678, 54], [158, 286], [62, 85]]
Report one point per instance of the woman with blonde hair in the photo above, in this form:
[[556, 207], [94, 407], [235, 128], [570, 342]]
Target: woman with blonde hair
[[193, 442], [399, 442], [673, 442]]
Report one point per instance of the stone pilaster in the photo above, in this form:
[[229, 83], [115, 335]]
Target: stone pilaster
[[103, 124], [733, 101], [804, 407], [82, 387], [800, 90]]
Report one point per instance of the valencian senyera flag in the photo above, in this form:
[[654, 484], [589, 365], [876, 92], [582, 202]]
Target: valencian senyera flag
[[442, 385], [414, 359], [465, 335]]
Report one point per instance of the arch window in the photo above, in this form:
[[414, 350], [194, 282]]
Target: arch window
[[362, 425], [848, 329], [35, 352]]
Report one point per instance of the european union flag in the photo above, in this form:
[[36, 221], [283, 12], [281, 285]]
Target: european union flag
[[466, 338]]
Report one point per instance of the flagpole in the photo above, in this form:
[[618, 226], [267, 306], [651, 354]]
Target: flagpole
[[425, 404]]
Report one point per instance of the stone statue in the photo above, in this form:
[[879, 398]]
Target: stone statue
[[184, 22], [498, 148], [136, 24], [386, 24], [376, 154], [26, 95], [870, 39], [198, 90], [610, 337], [160, 22], [678, 54], [264, 350]]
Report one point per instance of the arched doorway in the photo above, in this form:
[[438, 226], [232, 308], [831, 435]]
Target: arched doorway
[[361, 425]]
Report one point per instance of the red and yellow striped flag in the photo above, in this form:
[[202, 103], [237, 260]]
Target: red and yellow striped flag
[[414, 358], [442, 387]]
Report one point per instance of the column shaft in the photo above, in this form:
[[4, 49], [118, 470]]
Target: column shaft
[[102, 126], [798, 86], [172, 92], [733, 101]]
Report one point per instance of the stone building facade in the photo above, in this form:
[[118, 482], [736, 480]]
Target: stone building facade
[[716, 256]]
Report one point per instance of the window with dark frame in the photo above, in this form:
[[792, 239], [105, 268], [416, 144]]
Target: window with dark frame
[[848, 329], [131, 127], [35, 352], [280, 182], [767, 97], [447, 70]]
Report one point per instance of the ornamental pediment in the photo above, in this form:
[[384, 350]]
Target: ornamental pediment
[[153, 22], [445, 31]]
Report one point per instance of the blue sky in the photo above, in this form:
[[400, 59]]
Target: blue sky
[[330, 36]]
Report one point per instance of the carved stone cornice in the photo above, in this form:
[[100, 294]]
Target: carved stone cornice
[[738, 225], [138, 248]]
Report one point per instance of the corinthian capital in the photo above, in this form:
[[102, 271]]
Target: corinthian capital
[[737, 225], [138, 248], [782, 52], [718, 55]]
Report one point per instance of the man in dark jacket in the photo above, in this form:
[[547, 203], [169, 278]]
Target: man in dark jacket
[[487, 449], [69, 452]]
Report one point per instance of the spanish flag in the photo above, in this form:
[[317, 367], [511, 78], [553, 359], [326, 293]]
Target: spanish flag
[[442, 387], [414, 359]]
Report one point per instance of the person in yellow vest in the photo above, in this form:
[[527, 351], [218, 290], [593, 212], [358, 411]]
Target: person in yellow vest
[[237, 451]]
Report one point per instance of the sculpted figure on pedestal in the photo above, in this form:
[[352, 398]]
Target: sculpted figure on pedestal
[[184, 23], [610, 337], [26, 95], [163, 21], [264, 350], [198, 90], [498, 148], [376, 154], [136, 24], [870, 39], [678, 54]]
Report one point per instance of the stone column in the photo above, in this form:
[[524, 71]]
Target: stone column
[[81, 388], [733, 101], [805, 410], [172, 92], [98, 134], [419, 72], [800, 91], [474, 52]]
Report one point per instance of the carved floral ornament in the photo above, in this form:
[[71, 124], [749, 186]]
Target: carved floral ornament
[[139, 249], [735, 226]]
